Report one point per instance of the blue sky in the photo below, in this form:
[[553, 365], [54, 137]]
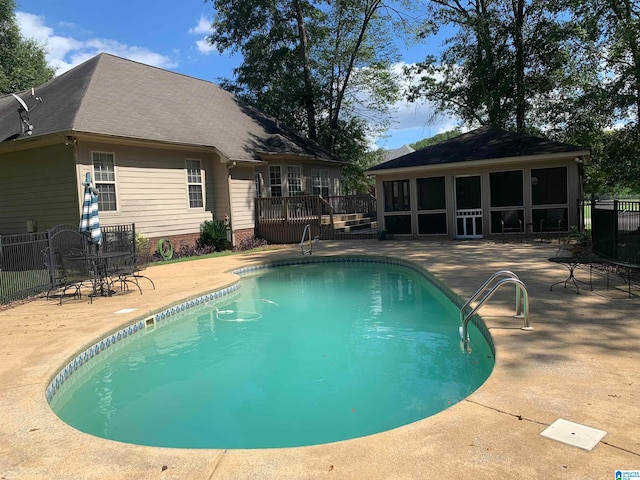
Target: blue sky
[[171, 34]]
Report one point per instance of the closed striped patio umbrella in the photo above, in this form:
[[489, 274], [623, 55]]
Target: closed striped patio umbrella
[[89, 223]]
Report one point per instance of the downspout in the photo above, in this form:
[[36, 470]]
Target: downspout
[[72, 141], [229, 219]]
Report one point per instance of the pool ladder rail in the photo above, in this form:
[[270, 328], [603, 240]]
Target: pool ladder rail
[[486, 291], [306, 232]]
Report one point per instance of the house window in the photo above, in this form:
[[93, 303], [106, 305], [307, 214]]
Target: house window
[[104, 173], [549, 186], [396, 196], [506, 189], [275, 181], [320, 182], [194, 183], [294, 180]]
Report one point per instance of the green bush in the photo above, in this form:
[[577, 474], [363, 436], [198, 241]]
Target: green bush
[[142, 243], [213, 233]]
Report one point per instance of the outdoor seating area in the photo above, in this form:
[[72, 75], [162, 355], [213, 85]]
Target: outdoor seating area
[[77, 266]]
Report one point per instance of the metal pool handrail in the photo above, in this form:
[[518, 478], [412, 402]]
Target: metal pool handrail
[[307, 229], [483, 288], [522, 303]]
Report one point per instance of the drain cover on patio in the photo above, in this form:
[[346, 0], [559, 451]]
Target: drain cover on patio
[[573, 434]]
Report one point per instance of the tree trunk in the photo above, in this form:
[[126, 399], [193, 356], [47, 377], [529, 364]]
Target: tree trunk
[[518, 42], [308, 83]]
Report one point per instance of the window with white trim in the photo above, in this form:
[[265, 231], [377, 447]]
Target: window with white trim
[[104, 174], [194, 183], [294, 180], [320, 182], [275, 181]]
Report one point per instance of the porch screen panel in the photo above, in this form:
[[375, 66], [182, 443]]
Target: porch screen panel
[[400, 224], [432, 223], [431, 193], [396, 196], [431, 199], [549, 186], [506, 189]]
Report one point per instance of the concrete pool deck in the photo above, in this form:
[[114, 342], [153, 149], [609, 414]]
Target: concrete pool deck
[[580, 363]]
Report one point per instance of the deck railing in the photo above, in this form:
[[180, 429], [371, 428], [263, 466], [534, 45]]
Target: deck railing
[[282, 219]]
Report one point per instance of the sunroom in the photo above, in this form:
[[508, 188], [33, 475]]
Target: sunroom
[[482, 184]]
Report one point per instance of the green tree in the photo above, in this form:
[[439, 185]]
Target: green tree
[[507, 62], [22, 61], [439, 137], [320, 66]]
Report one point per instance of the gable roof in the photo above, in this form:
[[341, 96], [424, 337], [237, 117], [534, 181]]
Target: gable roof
[[109, 95], [485, 143], [398, 152]]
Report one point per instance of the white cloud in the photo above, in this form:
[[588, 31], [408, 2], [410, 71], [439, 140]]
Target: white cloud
[[414, 121], [205, 47], [203, 26], [64, 53]]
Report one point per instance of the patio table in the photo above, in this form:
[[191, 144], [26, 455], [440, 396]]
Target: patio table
[[572, 263], [106, 265]]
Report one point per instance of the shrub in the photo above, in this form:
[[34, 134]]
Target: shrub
[[187, 251], [142, 243], [213, 233], [251, 243]]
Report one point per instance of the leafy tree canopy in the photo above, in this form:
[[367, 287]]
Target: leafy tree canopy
[[22, 61], [440, 137]]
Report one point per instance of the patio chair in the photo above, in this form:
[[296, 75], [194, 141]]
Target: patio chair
[[66, 259], [511, 223], [553, 222], [131, 271]]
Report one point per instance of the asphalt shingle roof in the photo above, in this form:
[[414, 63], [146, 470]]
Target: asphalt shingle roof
[[109, 95], [485, 143]]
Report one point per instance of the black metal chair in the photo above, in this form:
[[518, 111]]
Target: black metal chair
[[511, 223], [66, 259], [553, 222]]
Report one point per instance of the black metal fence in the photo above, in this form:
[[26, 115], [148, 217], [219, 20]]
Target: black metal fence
[[615, 229], [25, 265]]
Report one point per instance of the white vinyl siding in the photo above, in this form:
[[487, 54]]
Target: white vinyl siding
[[243, 192], [152, 189], [104, 174]]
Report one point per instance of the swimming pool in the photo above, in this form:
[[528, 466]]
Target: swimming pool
[[300, 355]]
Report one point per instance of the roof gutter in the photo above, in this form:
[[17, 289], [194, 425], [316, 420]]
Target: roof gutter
[[583, 155]]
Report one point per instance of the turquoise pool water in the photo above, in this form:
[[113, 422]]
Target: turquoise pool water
[[301, 355]]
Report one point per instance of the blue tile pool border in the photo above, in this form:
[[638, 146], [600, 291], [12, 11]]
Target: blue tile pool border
[[68, 375]]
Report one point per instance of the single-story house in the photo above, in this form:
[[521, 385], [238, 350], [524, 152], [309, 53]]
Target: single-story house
[[165, 151], [480, 184]]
